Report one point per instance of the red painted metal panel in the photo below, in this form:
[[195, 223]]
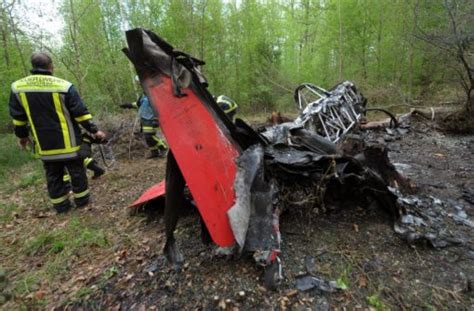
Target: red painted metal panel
[[151, 193], [203, 152]]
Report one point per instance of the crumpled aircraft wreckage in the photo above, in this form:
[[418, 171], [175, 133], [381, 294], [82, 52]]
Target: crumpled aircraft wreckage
[[241, 180]]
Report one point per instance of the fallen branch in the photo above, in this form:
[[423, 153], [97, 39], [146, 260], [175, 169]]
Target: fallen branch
[[131, 138]]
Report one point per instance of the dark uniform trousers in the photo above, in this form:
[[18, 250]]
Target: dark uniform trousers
[[58, 189]]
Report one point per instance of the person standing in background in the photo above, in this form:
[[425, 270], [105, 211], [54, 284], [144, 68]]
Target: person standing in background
[[53, 110]]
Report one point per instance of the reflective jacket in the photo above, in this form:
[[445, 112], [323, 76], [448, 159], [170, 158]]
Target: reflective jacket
[[51, 109], [148, 116], [145, 111]]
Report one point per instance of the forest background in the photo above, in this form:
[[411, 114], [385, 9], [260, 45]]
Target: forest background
[[401, 52]]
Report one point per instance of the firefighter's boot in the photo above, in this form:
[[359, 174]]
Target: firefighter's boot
[[98, 171], [162, 151], [153, 153]]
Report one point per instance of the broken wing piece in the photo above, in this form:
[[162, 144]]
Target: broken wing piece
[[198, 133], [155, 192]]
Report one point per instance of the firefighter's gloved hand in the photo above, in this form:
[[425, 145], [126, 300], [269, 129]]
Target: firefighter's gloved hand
[[99, 135], [23, 142], [126, 106]]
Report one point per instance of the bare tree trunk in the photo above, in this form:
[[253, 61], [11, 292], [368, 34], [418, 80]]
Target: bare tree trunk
[[115, 94], [411, 55], [190, 36], [130, 65], [4, 30], [73, 31], [341, 56], [461, 51], [364, 51], [202, 35], [303, 40], [14, 31], [379, 42]]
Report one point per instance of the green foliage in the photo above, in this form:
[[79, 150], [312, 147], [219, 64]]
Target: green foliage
[[257, 51], [342, 283], [110, 272], [343, 280], [15, 49]]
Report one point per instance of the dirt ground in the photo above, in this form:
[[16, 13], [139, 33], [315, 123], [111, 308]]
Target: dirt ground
[[120, 265]]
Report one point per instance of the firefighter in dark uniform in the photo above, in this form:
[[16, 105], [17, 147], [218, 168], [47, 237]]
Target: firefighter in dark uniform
[[228, 105], [52, 110], [149, 126]]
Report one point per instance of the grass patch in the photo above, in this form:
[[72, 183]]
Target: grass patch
[[11, 155], [74, 236], [84, 292], [8, 211], [27, 284], [60, 245], [31, 178], [25, 176], [374, 301], [50, 252]]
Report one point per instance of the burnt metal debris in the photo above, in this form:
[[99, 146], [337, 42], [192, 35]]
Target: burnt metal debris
[[322, 159], [330, 114], [308, 282]]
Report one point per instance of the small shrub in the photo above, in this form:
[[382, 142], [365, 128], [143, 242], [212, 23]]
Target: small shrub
[[375, 302]]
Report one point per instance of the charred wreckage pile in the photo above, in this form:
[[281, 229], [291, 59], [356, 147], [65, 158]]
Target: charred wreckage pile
[[241, 179]]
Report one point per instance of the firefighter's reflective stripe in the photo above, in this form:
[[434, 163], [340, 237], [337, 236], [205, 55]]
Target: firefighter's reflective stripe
[[230, 109], [19, 123], [59, 152], [60, 199], [149, 129], [83, 118], [66, 177], [87, 161], [63, 156], [63, 123], [81, 194], [160, 142], [41, 83], [223, 100], [35, 150], [24, 102]]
